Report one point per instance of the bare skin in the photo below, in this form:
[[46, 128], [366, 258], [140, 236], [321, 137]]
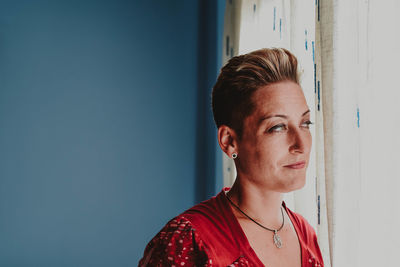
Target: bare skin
[[274, 137]]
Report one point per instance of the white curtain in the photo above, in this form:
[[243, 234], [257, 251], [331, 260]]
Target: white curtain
[[349, 55], [360, 56]]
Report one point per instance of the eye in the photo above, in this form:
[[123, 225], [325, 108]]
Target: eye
[[306, 124], [277, 128]]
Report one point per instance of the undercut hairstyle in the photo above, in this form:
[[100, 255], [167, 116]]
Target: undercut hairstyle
[[242, 76]]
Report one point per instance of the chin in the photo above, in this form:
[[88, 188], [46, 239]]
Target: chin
[[293, 185]]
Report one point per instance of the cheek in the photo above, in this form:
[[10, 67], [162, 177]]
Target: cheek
[[308, 142], [278, 145], [273, 152]]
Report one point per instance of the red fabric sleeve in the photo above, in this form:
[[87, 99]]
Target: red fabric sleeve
[[309, 241], [177, 244]]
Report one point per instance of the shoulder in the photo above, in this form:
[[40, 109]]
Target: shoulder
[[176, 244], [203, 213], [199, 235]]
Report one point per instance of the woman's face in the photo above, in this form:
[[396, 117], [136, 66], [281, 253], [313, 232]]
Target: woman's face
[[275, 146]]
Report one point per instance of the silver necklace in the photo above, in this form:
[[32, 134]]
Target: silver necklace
[[277, 239]]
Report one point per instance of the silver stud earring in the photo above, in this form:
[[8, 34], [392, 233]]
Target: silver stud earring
[[234, 155]]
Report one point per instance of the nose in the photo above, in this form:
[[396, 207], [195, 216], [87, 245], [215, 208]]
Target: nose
[[297, 141]]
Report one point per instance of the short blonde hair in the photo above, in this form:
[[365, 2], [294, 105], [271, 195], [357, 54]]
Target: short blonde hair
[[242, 76]]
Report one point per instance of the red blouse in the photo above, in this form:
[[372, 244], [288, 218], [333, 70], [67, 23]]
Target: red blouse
[[209, 234]]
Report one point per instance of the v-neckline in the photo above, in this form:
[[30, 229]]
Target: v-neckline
[[244, 242]]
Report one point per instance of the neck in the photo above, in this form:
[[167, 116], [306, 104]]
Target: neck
[[261, 205]]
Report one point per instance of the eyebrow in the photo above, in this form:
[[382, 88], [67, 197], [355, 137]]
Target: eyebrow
[[280, 116]]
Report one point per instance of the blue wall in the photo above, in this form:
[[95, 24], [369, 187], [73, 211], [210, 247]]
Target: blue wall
[[103, 114]]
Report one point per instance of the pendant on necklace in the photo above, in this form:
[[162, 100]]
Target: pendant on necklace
[[277, 239]]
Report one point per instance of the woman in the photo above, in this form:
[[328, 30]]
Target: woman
[[263, 124]]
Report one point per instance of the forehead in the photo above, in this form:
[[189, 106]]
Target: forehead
[[285, 98]]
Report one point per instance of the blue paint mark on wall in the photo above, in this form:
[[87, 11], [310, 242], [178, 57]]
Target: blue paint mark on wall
[[315, 68], [358, 117], [254, 8], [315, 78], [231, 52], [274, 18], [318, 8], [319, 209], [280, 28], [313, 51], [305, 42], [319, 97]]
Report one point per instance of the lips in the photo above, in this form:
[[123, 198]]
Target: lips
[[297, 165]]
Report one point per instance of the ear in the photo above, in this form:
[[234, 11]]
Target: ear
[[227, 140]]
